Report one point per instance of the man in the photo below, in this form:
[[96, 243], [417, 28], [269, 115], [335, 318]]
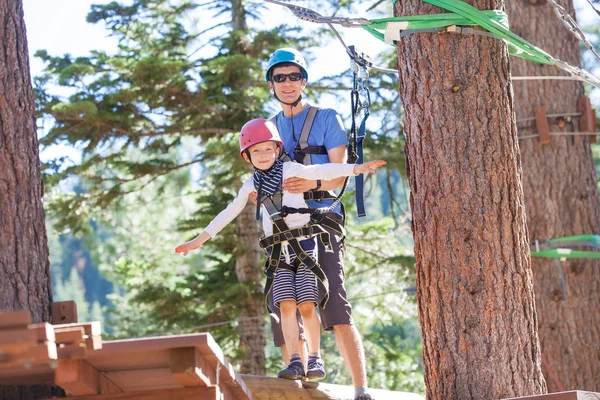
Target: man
[[322, 141]]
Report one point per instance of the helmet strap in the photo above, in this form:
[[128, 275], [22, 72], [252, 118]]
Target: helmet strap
[[294, 104]]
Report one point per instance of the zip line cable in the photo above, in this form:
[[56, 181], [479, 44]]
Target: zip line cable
[[595, 9], [460, 13], [572, 26]]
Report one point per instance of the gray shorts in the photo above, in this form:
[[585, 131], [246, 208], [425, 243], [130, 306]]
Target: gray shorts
[[337, 311]]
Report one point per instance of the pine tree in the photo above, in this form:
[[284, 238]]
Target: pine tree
[[24, 265], [474, 280], [561, 196]]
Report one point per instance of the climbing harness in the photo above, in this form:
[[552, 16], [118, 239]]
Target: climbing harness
[[270, 194], [273, 245]]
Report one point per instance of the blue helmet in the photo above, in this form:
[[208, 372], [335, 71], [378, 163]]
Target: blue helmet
[[286, 55]]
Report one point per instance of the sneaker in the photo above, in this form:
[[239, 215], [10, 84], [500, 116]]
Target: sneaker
[[294, 371], [365, 396], [316, 369]]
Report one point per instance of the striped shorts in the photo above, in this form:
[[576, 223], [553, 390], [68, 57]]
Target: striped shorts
[[302, 286]]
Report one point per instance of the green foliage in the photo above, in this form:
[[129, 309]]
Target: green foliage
[[157, 123]]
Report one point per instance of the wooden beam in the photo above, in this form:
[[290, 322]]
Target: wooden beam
[[107, 386], [90, 328], [77, 377], [587, 121], [93, 343], [70, 352], [14, 319], [41, 353], [541, 121], [594, 137], [16, 341], [44, 332], [569, 395], [189, 368], [198, 393], [69, 335], [268, 388], [64, 312]]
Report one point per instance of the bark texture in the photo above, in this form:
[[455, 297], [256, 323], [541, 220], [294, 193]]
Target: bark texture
[[24, 265], [249, 271], [474, 279], [248, 266], [561, 196]]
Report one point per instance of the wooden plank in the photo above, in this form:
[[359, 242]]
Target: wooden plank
[[117, 356], [90, 328], [93, 343], [107, 386], [71, 335], [38, 375], [568, 395], [64, 312], [227, 375], [593, 137], [587, 121], [143, 379], [198, 393], [44, 332], [42, 353], [268, 388], [189, 368], [16, 341], [70, 352], [541, 122], [14, 319], [77, 377]]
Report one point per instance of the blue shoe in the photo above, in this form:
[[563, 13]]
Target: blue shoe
[[365, 396], [294, 371], [316, 369]]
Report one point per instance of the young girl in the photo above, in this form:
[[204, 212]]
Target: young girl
[[296, 279]]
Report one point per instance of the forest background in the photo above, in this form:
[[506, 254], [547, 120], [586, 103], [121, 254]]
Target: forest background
[[138, 109]]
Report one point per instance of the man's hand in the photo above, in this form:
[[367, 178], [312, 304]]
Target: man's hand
[[253, 196], [298, 185]]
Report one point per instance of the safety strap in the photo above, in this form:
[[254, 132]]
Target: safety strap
[[303, 151], [355, 151], [307, 230]]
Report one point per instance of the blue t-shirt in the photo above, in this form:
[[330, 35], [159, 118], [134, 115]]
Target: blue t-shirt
[[327, 130]]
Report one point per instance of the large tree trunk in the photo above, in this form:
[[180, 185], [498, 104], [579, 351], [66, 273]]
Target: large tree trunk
[[561, 199], [474, 279], [24, 264], [247, 265], [248, 269]]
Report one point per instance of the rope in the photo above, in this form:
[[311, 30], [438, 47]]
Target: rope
[[551, 116], [540, 77], [559, 134]]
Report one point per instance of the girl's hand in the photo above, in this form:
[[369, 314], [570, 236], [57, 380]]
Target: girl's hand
[[370, 166], [183, 248]]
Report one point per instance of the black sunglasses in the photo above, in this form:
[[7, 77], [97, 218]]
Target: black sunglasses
[[294, 76]]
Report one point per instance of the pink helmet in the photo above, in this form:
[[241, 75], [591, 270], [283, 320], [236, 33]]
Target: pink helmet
[[257, 131]]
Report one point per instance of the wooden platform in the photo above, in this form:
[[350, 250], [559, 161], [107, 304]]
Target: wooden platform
[[266, 388], [569, 395]]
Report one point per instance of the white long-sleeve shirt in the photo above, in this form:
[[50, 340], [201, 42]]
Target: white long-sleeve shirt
[[296, 200]]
